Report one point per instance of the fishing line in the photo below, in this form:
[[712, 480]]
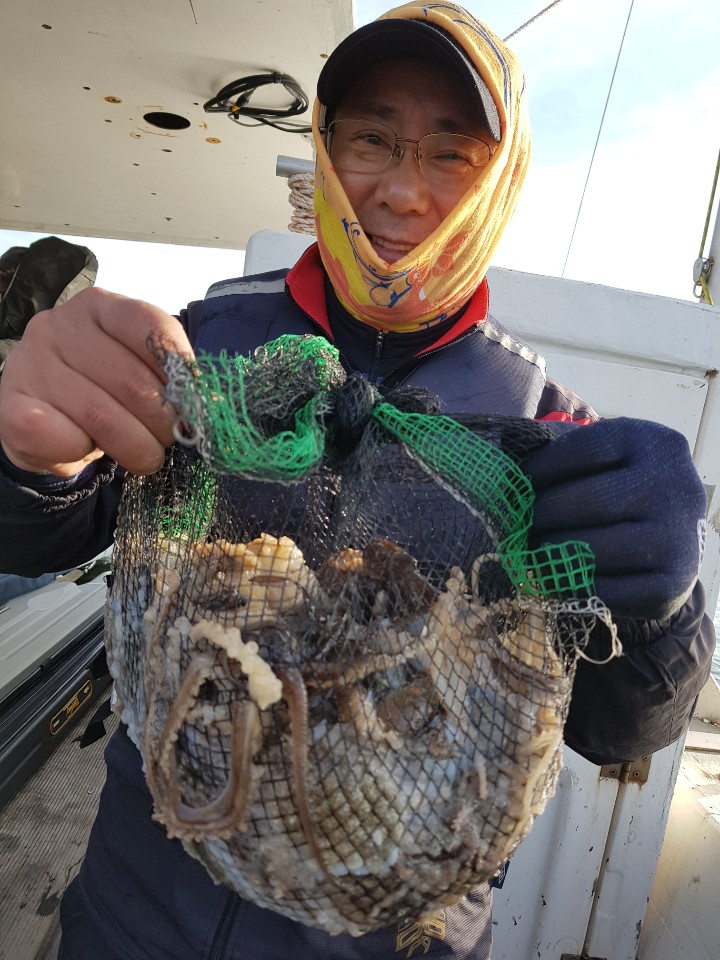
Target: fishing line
[[532, 20], [597, 139]]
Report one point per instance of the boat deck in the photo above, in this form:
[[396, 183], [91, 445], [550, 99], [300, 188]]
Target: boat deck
[[682, 920], [44, 831], [43, 835]]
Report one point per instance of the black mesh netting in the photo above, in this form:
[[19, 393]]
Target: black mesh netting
[[346, 673]]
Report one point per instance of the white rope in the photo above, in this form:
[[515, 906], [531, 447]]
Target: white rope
[[301, 200]]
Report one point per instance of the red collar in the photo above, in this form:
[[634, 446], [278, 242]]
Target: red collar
[[306, 283]]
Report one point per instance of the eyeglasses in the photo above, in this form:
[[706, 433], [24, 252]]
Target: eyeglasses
[[362, 146]]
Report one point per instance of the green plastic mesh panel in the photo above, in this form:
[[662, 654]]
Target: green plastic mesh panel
[[503, 497], [346, 672], [234, 414]]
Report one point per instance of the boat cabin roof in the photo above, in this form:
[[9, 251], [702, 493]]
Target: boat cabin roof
[[82, 152]]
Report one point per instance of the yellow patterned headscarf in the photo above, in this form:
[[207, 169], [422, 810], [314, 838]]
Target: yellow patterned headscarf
[[441, 274]]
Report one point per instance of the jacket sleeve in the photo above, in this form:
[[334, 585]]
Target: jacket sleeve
[[557, 402], [55, 524], [49, 524], [642, 701]]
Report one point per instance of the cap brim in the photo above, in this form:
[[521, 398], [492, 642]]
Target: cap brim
[[384, 40]]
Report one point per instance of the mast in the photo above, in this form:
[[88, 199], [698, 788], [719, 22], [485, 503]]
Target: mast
[[707, 283], [713, 276]]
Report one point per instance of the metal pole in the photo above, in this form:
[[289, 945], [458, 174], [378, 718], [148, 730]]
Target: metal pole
[[713, 280], [288, 166]]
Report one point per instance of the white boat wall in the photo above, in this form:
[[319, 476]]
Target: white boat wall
[[102, 126], [597, 845]]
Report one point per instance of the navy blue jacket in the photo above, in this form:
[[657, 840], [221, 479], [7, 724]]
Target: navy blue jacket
[[138, 895]]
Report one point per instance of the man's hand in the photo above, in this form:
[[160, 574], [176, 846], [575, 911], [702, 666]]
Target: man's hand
[[630, 490], [83, 383]]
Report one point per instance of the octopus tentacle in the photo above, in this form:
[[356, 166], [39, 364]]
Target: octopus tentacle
[[153, 655], [295, 696], [324, 675], [230, 808]]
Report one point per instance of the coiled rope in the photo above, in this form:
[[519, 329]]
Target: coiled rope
[[301, 200]]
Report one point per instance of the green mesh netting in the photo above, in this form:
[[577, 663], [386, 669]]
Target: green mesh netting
[[346, 672], [283, 438], [230, 411]]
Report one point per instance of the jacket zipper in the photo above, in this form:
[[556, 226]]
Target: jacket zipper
[[379, 341], [411, 364], [224, 929], [377, 354], [396, 378]]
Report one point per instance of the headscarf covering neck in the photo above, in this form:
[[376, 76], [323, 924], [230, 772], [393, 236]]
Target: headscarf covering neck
[[438, 276]]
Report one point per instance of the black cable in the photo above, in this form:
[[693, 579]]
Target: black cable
[[288, 127], [234, 98]]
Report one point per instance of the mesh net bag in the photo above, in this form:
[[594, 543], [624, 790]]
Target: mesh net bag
[[346, 673]]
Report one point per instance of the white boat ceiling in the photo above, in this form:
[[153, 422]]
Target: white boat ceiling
[[77, 155]]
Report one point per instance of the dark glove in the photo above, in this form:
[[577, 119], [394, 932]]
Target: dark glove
[[630, 490]]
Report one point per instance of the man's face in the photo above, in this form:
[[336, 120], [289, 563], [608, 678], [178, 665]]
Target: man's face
[[399, 207]]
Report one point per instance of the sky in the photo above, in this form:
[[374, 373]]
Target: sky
[[631, 217]]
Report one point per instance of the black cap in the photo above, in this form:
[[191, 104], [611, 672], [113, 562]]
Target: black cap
[[384, 40]]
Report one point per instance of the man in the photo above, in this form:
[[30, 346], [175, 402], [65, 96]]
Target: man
[[422, 145]]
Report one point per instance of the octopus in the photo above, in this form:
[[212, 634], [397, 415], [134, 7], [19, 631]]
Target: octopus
[[346, 745]]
